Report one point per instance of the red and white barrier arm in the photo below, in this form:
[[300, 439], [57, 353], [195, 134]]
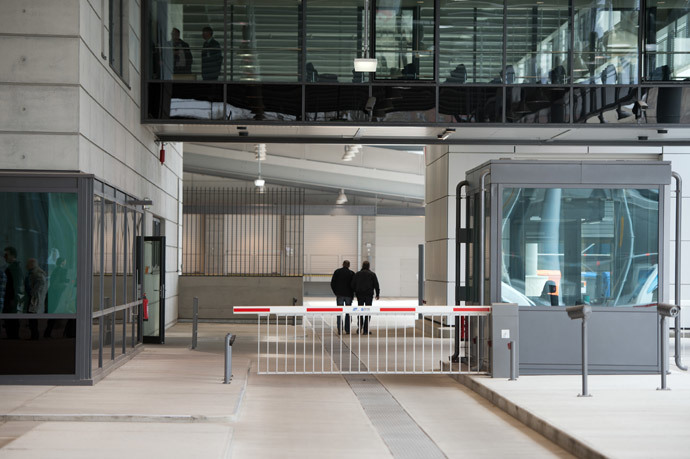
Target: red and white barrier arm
[[396, 310]]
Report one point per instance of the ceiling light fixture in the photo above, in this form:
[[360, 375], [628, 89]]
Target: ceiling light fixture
[[260, 151], [447, 133], [259, 182], [351, 151], [342, 199], [365, 63]]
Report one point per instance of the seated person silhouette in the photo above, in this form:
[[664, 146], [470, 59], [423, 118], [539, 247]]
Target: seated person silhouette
[[458, 75]]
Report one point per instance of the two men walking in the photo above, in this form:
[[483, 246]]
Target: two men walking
[[346, 284]]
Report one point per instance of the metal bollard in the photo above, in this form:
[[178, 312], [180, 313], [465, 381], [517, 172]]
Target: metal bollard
[[513, 366], [229, 339], [664, 311], [582, 312], [195, 322]]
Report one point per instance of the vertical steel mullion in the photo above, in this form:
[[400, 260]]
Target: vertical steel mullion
[[414, 345], [102, 281], [124, 281], [404, 349], [286, 343], [113, 264], [268, 342], [313, 344], [294, 366], [258, 343], [423, 343], [395, 341], [277, 339]]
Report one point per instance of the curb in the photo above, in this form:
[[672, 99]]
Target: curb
[[558, 436]]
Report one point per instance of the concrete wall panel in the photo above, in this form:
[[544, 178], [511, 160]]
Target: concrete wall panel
[[39, 59], [39, 108], [40, 17], [217, 295]]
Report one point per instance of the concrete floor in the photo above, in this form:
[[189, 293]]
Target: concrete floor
[[169, 401]]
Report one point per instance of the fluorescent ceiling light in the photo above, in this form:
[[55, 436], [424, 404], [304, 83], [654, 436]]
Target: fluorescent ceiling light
[[259, 182], [363, 64]]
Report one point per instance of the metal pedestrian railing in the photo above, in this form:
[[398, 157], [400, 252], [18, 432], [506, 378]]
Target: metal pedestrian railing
[[382, 340]]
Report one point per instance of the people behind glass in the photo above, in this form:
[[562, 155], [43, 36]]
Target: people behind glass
[[211, 55], [14, 291], [33, 292], [182, 55]]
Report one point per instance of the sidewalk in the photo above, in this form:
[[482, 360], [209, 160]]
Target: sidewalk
[[170, 401]]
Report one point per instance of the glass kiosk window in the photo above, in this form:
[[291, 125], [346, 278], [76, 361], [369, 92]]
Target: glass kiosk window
[[567, 246]]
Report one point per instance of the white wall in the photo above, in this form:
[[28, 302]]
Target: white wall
[[63, 108], [328, 240], [397, 254]]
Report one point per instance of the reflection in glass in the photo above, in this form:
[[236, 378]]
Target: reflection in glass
[[179, 47], [580, 246], [470, 105], [537, 104], [404, 39], [666, 105], [336, 103], [605, 104], [40, 355], [97, 257], [264, 102], [539, 41], [470, 41], [38, 237], [668, 40], [334, 40], [404, 104], [186, 101], [606, 41], [264, 40]]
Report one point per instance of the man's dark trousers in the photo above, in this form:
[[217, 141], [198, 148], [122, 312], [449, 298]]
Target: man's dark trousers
[[363, 321], [344, 301]]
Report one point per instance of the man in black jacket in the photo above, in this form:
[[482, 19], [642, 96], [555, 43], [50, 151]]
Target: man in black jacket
[[341, 284], [211, 55], [365, 283]]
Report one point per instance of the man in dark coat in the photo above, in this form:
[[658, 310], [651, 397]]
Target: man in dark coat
[[211, 56], [365, 283], [14, 291], [341, 284], [182, 56]]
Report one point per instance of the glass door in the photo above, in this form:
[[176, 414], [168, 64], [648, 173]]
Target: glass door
[[154, 289]]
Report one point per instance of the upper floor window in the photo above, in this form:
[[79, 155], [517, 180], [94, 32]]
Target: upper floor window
[[119, 37]]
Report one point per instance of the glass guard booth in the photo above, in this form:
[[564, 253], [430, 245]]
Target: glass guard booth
[[562, 233]]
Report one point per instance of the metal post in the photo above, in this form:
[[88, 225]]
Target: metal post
[[679, 219], [420, 276], [585, 363], [195, 322], [229, 340], [513, 363], [663, 345]]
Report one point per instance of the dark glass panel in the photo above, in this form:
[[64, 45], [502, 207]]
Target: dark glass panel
[[404, 39], [97, 253], [667, 105], [95, 345], [334, 40], [39, 245], [608, 104], [470, 104], [336, 103], [470, 41], [264, 40], [179, 48], [264, 102], [538, 104], [538, 41], [44, 346], [186, 101], [606, 41], [667, 47], [404, 104]]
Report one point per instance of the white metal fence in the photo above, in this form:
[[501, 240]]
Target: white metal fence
[[400, 340]]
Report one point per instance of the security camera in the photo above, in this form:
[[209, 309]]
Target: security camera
[[667, 310], [582, 311]]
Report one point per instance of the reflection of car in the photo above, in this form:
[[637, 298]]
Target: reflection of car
[[512, 295]]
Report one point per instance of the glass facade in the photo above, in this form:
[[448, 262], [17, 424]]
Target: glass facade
[[510, 61], [566, 246], [115, 317]]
